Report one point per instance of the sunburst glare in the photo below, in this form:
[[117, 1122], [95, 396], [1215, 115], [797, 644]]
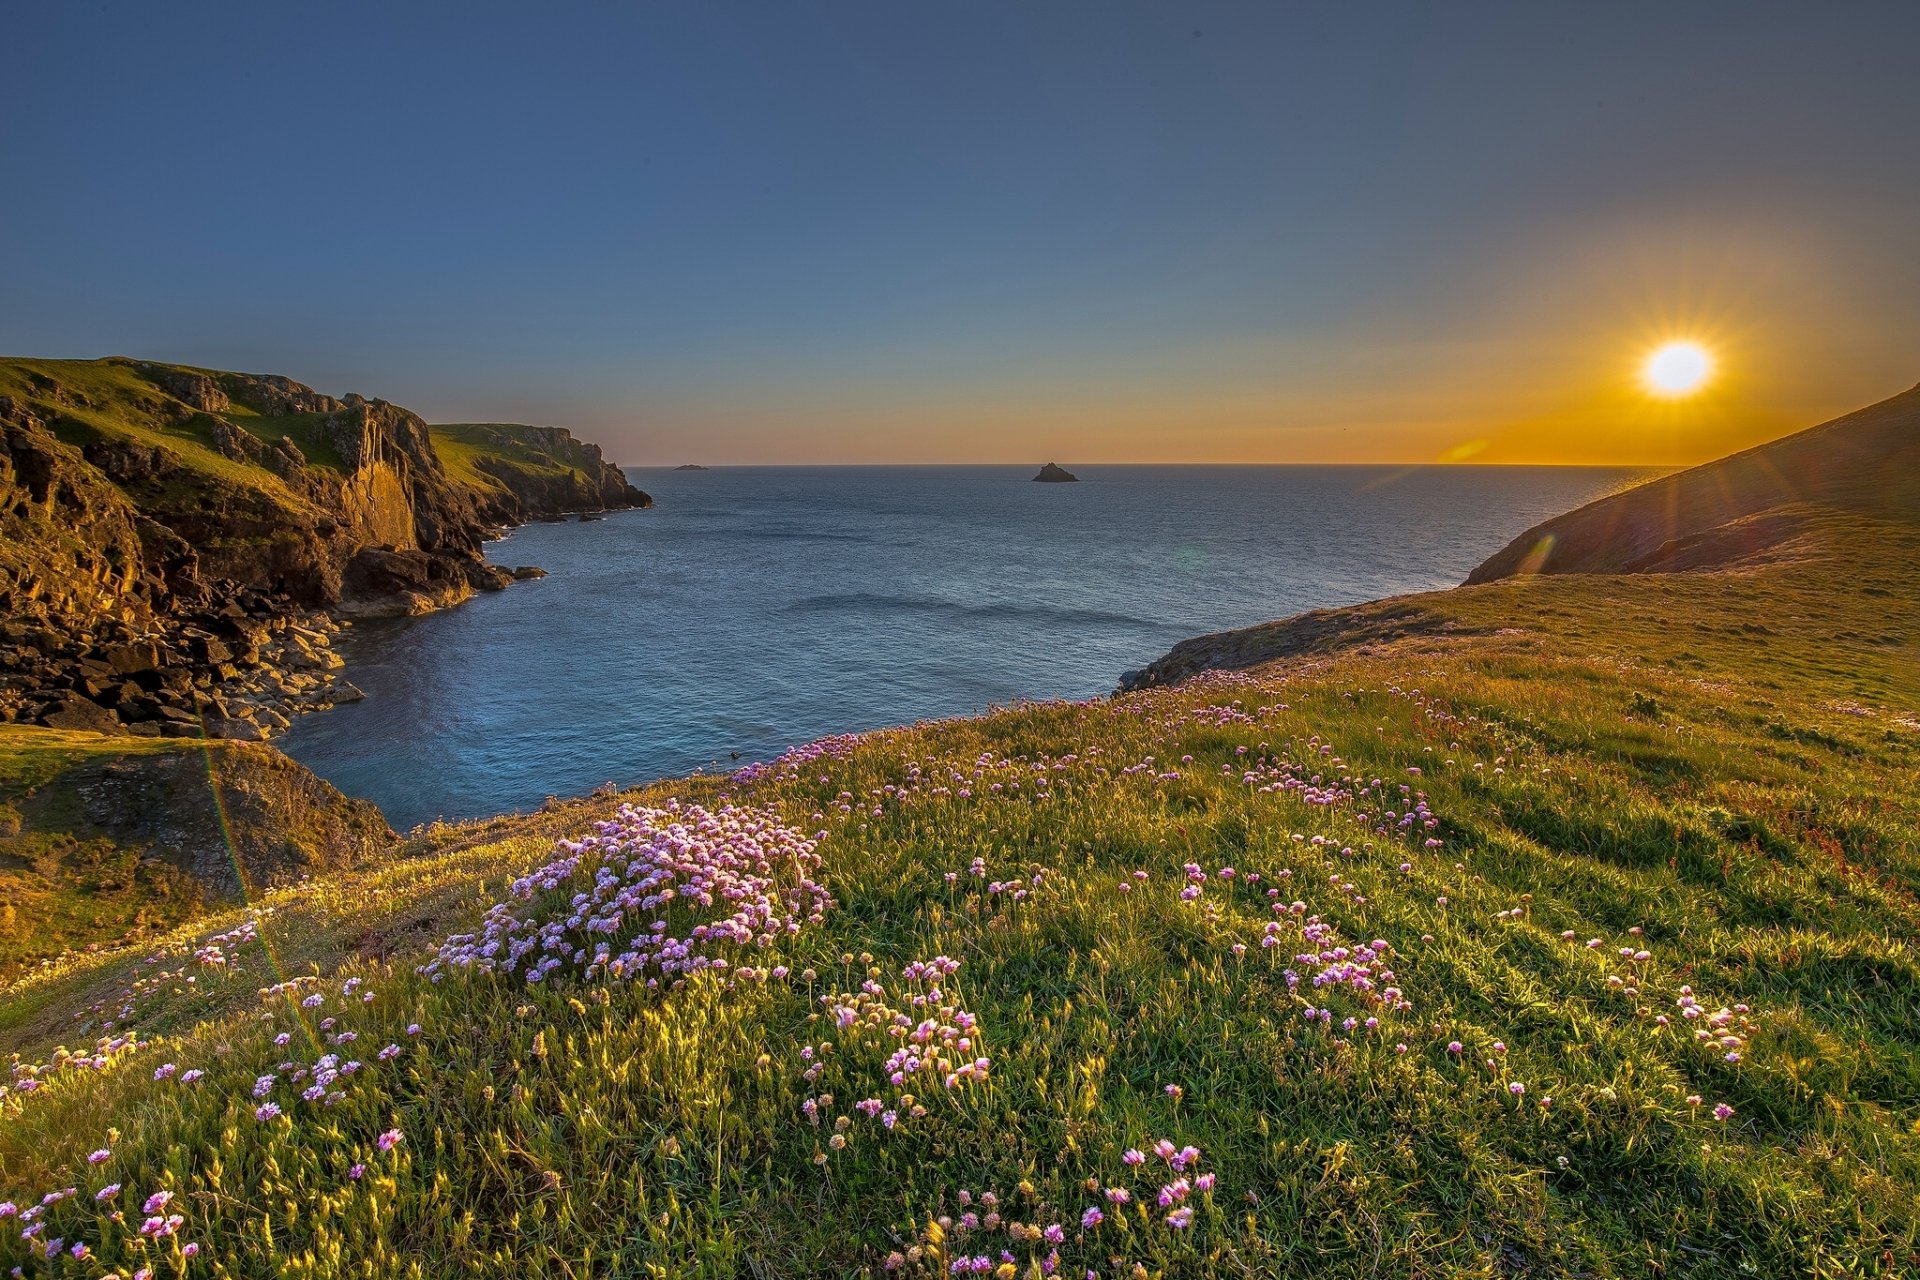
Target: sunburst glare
[[1677, 369]]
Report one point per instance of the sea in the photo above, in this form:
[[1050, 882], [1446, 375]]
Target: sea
[[753, 608]]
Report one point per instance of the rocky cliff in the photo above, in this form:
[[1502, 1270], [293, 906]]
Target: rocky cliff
[[519, 473], [159, 523]]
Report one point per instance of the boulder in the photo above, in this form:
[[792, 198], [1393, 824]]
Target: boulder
[[131, 659], [75, 712]]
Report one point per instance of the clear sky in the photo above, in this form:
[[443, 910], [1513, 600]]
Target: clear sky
[[895, 232]]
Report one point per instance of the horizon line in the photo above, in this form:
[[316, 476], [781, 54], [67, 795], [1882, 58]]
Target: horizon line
[[1560, 466]]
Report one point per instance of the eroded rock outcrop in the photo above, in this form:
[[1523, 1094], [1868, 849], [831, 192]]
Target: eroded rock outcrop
[[152, 504]]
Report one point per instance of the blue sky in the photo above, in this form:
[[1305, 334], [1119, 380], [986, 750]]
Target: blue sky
[[879, 232]]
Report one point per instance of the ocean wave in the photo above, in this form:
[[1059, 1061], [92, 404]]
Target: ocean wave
[[1003, 611]]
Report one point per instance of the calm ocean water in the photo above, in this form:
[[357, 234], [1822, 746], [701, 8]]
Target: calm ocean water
[[754, 608]]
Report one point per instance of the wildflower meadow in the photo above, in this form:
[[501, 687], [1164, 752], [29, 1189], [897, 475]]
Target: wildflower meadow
[[1380, 966]]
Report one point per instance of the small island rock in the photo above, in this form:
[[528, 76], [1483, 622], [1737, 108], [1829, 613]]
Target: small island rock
[[1054, 473]]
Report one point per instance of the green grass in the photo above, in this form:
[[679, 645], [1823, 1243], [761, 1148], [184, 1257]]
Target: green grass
[[58, 888], [302, 428], [463, 445], [124, 406], [1723, 763]]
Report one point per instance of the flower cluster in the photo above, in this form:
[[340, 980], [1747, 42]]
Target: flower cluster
[[668, 892], [935, 1042], [789, 764], [30, 1077]]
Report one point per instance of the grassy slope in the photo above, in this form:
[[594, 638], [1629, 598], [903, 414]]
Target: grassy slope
[[462, 445], [124, 406], [66, 881], [1715, 514], [1722, 762], [58, 889]]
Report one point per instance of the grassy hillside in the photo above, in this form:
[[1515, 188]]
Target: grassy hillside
[[520, 472], [108, 838], [116, 400], [1657, 885], [1735, 508], [463, 446], [57, 890]]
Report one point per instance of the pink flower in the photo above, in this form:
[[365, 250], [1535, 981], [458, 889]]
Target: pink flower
[[1181, 1219], [1721, 1111], [266, 1111], [390, 1139], [100, 1157], [1134, 1156]]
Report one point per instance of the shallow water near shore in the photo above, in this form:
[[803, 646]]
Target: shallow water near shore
[[757, 607]]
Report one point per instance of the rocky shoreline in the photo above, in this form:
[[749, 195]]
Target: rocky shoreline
[[242, 671]]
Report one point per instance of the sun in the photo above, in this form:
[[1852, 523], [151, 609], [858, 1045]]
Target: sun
[[1677, 369]]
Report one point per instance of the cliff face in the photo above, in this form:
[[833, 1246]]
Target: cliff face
[[178, 510], [221, 478], [1736, 508], [520, 473]]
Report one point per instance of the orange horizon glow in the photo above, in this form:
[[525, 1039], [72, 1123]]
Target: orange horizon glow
[[1544, 363], [1576, 398]]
